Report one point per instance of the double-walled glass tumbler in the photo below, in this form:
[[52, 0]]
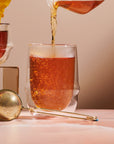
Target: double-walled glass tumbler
[[52, 81]]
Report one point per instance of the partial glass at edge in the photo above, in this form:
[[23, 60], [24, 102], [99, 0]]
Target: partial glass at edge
[[52, 82], [5, 45], [77, 6]]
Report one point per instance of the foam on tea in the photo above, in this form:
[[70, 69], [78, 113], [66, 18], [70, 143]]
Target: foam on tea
[[60, 52]]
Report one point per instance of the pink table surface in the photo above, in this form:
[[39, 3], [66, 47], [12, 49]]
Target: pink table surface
[[27, 130]]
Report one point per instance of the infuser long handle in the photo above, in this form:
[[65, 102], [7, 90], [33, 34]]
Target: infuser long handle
[[63, 114]]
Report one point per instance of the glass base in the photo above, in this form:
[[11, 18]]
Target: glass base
[[73, 105], [38, 113]]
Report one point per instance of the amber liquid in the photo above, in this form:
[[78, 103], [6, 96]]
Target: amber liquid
[[3, 34], [52, 81], [3, 42], [81, 7]]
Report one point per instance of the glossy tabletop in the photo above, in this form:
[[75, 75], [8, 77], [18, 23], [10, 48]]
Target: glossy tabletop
[[58, 130]]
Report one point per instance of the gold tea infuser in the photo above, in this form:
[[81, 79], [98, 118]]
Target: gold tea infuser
[[11, 106]]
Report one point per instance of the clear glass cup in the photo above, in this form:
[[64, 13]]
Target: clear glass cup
[[52, 79], [5, 44]]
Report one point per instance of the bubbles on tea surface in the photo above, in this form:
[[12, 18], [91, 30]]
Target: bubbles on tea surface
[[64, 52], [40, 52], [60, 51]]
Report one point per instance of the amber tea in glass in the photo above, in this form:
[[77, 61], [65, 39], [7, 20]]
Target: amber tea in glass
[[53, 81], [3, 38]]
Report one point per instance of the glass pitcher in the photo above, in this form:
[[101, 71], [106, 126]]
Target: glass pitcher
[[77, 6]]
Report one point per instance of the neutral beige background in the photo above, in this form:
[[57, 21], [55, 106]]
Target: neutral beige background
[[93, 33]]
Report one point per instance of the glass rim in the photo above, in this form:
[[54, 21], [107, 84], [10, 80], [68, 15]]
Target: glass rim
[[46, 44]]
